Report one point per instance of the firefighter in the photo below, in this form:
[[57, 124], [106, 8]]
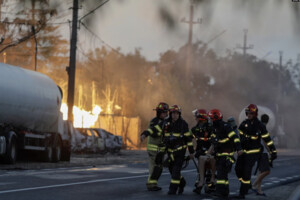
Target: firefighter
[[233, 125], [225, 142], [155, 146], [263, 164], [177, 138], [202, 134], [251, 132]]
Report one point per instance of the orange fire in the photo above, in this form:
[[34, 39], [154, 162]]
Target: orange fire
[[82, 118]]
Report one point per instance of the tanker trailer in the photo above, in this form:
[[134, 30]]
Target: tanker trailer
[[30, 117]]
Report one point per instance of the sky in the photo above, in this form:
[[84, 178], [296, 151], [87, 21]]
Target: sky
[[131, 24]]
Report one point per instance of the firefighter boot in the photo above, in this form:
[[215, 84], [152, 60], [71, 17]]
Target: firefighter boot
[[198, 190], [181, 185], [154, 188]]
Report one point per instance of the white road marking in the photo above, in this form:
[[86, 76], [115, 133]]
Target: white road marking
[[273, 178], [286, 159], [57, 170], [71, 184], [275, 181], [82, 183]]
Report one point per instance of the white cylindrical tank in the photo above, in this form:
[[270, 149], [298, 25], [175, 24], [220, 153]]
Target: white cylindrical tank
[[261, 110], [29, 99]]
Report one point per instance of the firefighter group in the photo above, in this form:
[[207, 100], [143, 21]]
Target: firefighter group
[[216, 145]]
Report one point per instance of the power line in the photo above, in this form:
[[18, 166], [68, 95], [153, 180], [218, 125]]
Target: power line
[[11, 44], [32, 34], [100, 39], [92, 11], [58, 23], [86, 55]]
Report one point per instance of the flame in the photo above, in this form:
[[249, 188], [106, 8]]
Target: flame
[[117, 107], [82, 118], [150, 81]]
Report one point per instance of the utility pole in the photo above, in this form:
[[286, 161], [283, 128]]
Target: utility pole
[[34, 40], [279, 74], [190, 22], [72, 64], [4, 54], [0, 9], [280, 59], [36, 48], [245, 47], [279, 94]]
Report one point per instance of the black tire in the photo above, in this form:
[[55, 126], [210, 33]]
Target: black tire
[[11, 152], [103, 152], [66, 154], [117, 150], [47, 154], [57, 150]]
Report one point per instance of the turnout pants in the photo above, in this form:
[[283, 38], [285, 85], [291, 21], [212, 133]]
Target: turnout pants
[[155, 168], [175, 165], [243, 169], [223, 165]]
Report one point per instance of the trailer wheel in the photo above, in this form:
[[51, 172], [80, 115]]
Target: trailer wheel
[[47, 154], [57, 149], [11, 152], [66, 153]]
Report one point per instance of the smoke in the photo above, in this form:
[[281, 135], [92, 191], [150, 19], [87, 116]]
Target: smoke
[[219, 78]]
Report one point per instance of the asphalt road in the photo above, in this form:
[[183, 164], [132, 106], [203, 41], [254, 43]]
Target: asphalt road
[[123, 181]]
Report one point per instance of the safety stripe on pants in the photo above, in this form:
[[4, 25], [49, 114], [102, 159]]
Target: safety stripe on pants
[[173, 181], [223, 182], [151, 181], [245, 181]]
